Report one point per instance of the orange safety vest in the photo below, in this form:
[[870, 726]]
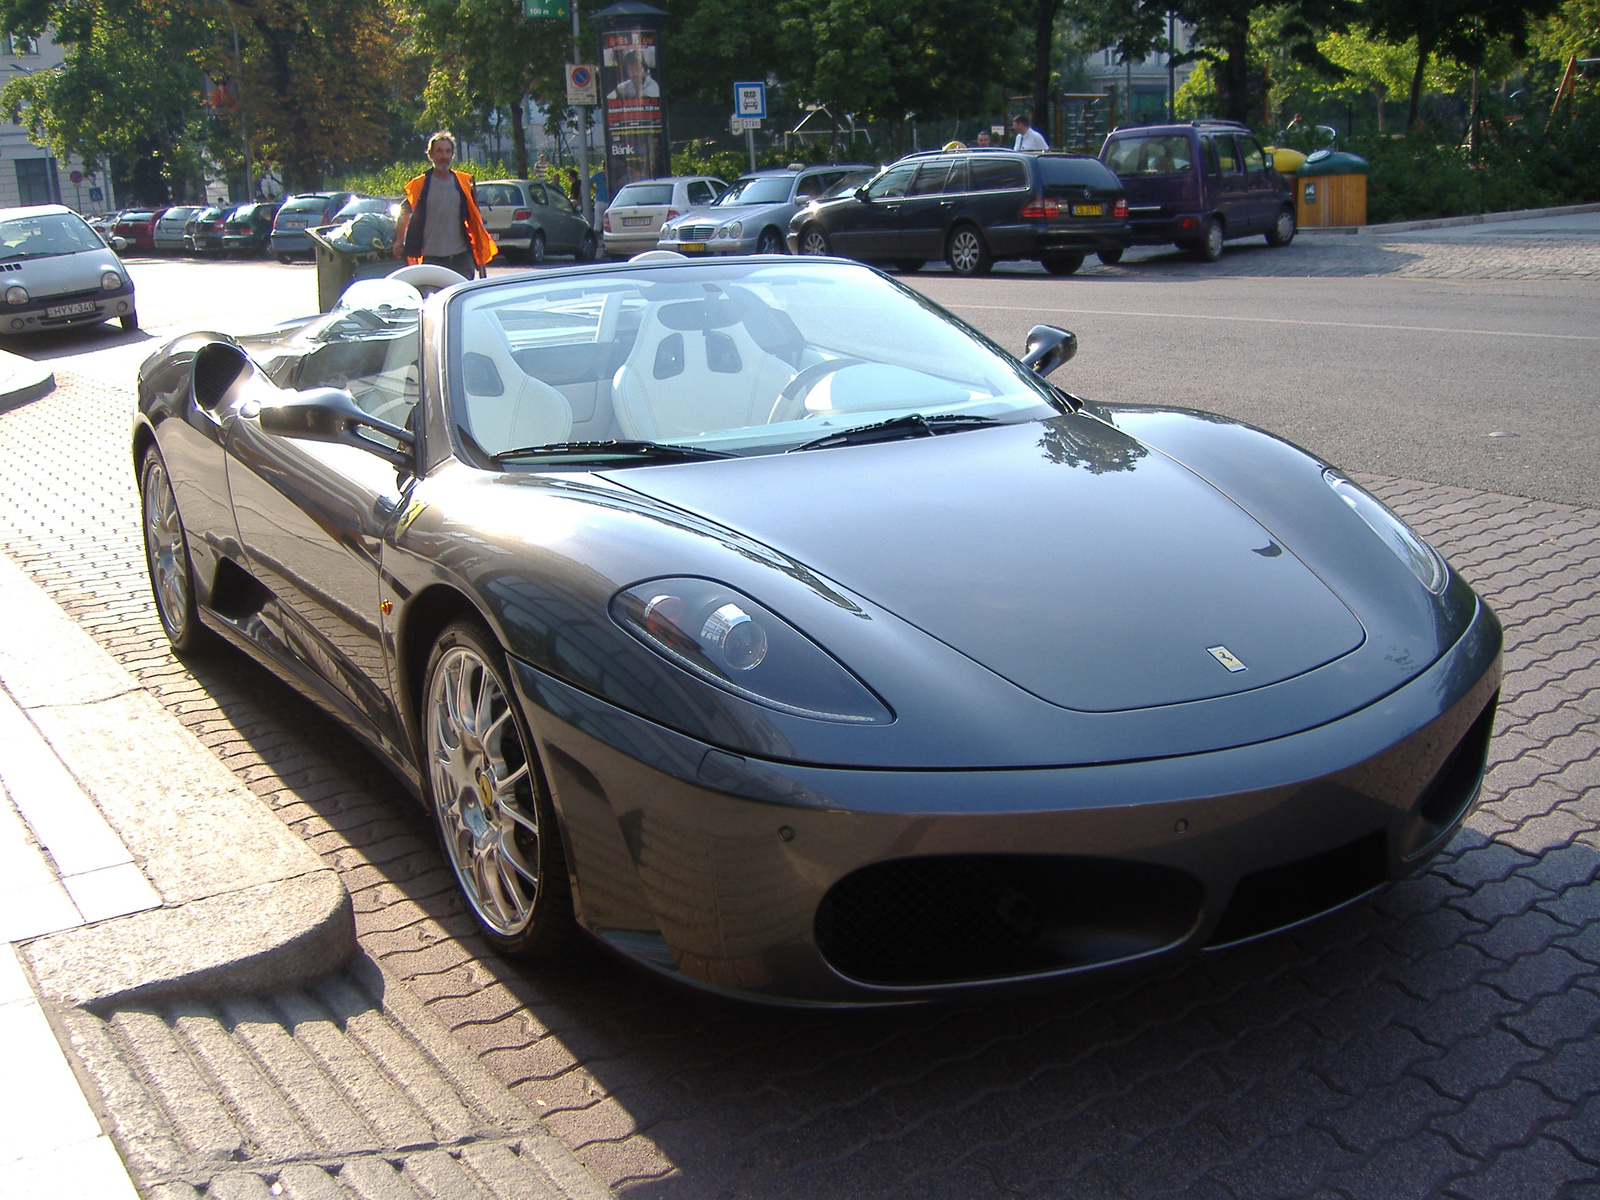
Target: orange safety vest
[[483, 246]]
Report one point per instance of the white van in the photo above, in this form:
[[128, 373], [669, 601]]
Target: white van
[[55, 271]]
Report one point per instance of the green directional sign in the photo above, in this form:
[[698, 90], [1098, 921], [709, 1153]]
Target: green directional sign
[[554, 10]]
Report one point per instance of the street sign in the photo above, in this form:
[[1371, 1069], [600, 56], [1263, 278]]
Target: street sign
[[583, 83], [750, 100], [96, 195], [552, 10], [744, 124], [76, 177]]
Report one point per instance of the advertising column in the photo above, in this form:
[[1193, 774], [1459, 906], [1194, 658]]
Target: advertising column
[[630, 92]]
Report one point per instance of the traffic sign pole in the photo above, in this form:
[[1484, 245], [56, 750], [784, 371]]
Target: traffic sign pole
[[750, 106], [585, 198]]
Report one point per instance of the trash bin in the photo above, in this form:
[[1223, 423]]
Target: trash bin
[[1285, 161], [356, 249], [1330, 188]]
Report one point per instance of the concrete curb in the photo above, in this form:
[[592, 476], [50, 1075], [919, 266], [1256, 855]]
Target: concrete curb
[[245, 904], [22, 379], [1526, 214]]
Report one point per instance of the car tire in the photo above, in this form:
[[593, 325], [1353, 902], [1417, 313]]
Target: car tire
[[770, 242], [1212, 236], [1283, 229], [814, 241], [166, 556], [129, 321], [1062, 264], [489, 799], [909, 266], [286, 259], [536, 248], [587, 248], [967, 252], [1110, 257]]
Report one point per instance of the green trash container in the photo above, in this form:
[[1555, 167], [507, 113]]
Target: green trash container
[[1331, 189], [357, 249]]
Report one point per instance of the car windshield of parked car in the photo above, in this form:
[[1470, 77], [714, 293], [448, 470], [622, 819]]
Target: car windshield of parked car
[[716, 358], [46, 236], [644, 193], [761, 189], [1156, 155]]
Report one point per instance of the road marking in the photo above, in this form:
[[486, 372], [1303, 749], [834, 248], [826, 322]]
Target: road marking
[[1107, 312]]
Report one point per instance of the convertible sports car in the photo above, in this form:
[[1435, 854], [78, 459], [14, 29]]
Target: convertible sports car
[[763, 620]]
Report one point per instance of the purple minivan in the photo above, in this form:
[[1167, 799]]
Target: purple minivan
[[1199, 185]]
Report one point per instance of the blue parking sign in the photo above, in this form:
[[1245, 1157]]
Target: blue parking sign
[[750, 100]]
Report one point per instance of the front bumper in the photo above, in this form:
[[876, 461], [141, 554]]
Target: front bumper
[[816, 885], [33, 317]]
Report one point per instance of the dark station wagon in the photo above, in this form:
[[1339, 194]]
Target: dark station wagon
[[973, 208], [1199, 185]]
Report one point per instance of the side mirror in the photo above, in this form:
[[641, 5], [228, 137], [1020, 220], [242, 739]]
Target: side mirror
[[332, 415], [119, 243], [863, 195], [1048, 348]]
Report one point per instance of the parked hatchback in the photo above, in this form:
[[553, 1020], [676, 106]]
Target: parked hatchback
[[752, 215], [299, 213], [167, 232], [529, 218], [137, 225], [55, 271], [1200, 185], [247, 229], [633, 222], [973, 208], [202, 234]]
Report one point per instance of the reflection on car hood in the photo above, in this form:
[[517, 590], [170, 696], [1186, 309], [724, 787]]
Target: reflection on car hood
[[721, 216], [1063, 555], [62, 274]]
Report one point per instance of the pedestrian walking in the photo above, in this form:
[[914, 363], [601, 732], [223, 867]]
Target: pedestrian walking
[[1028, 138], [439, 219]]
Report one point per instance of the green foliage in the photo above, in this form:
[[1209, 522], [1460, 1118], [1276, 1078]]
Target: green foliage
[[728, 163], [392, 180]]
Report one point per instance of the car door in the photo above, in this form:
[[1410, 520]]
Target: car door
[[1228, 185], [925, 214], [1261, 184], [311, 517], [869, 228], [574, 229]]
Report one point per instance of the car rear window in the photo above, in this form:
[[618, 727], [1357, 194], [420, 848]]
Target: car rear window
[[1078, 171], [997, 174], [306, 204], [645, 193], [1162, 154]]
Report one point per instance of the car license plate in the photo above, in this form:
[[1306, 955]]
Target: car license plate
[[692, 247], [1088, 210], [70, 310], [636, 220]]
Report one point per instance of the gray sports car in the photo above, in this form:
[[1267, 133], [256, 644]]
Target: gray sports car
[[787, 636]]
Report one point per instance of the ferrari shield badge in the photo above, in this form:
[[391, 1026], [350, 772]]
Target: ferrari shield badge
[[1226, 657]]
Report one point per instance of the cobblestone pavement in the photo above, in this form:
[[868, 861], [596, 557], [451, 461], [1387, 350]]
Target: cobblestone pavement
[[1439, 1039]]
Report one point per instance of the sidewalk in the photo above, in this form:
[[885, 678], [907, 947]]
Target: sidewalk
[[199, 962]]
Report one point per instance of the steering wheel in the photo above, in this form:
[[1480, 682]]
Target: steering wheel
[[790, 404]]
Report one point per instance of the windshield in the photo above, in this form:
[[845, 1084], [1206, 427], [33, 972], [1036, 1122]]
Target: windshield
[[765, 189], [736, 358], [47, 236]]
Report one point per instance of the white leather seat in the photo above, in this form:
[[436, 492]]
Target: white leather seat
[[506, 407], [685, 381]]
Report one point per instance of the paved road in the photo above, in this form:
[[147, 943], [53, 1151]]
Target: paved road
[[1439, 1040]]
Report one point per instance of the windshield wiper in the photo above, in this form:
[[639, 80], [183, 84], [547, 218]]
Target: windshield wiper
[[646, 451], [909, 426]]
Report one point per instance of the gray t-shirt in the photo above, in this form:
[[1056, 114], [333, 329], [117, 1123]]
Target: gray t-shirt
[[442, 235]]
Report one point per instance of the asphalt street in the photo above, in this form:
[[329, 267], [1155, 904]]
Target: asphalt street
[[1441, 1039]]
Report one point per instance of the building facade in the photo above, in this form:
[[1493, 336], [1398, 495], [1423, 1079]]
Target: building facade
[[1140, 90], [30, 174]]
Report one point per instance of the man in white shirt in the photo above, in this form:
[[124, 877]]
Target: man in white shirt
[[1028, 138]]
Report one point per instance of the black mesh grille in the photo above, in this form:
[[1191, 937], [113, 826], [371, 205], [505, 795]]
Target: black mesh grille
[[957, 917]]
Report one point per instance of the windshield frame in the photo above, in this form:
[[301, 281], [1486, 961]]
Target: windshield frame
[[1032, 399]]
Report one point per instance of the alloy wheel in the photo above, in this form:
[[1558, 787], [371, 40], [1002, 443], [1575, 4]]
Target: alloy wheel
[[814, 242], [483, 790], [968, 255], [769, 242], [165, 549]]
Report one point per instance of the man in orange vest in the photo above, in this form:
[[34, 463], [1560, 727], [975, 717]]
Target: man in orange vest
[[439, 219]]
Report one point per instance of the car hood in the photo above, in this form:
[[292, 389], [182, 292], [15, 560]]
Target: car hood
[[736, 212], [61, 274], [1063, 555]]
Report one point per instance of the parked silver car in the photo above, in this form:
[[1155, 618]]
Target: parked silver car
[[55, 272], [167, 233], [633, 222], [752, 216], [529, 218]]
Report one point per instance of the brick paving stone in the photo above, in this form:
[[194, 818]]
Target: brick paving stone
[[1532, 1172]]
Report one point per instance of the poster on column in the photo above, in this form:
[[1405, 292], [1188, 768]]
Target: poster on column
[[636, 141]]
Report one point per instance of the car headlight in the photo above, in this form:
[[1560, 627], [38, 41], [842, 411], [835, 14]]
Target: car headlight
[[111, 281], [16, 295], [733, 643], [668, 232], [731, 231], [1424, 561]]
